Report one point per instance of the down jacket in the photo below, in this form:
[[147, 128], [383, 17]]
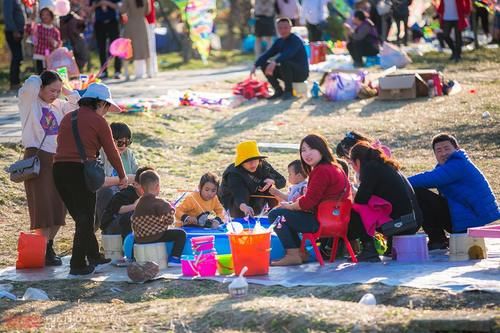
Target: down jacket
[[470, 198]]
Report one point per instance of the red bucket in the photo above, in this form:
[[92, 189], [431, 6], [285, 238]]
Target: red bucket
[[31, 251], [251, 250]]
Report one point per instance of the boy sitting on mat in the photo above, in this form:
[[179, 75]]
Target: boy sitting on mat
[[153, 216], [202, 208]]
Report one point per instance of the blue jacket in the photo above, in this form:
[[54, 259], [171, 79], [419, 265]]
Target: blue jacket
[[13, 15], [470, 198], [289, 49]]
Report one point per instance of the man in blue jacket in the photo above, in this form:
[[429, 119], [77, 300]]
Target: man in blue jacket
[[465, 198], [290, 65], [14, 27]]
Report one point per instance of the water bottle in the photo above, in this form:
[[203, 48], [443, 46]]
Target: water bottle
[[432, 92], [315, 90]]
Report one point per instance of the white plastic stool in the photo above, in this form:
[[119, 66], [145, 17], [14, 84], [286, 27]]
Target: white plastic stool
[[155, 252], [112, 245], [464, 247], [300, 89]]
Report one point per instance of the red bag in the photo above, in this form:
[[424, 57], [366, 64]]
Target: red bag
[[31, 251], [318, 52], [251, 88]]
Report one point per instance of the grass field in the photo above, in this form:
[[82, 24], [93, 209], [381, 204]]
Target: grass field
[[183, 143]]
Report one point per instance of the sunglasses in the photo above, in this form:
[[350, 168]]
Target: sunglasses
[[123, 142]]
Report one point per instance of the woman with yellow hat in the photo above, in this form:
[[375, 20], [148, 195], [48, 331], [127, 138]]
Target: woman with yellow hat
[[247, 180]]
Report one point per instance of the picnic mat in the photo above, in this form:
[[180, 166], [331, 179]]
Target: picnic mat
[[436, 273]]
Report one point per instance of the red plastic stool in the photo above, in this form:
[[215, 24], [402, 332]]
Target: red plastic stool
[[333, 218]]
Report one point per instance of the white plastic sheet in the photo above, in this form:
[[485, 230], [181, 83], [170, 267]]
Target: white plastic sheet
[[436, 273]]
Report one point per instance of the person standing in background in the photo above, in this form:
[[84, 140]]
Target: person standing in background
[[264, 12], [400, 13], [14, 28], [136, 29], [315, 14], [290, 9], [153, 59], [72, 27], [106, 29], [453, 14]]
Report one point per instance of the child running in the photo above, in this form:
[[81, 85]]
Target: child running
[[201, 208]]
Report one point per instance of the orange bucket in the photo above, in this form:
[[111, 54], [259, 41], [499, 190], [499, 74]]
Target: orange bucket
[[251, 250], [31, 251]]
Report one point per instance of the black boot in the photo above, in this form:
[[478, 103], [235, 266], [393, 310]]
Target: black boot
[[51, 259], [99, 260], [369, 252]]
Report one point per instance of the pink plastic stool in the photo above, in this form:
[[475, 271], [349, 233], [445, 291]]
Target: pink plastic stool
[[410, 248]]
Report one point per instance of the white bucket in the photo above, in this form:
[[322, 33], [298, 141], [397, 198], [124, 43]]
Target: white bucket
[[155, 252], [301, 89], [463, 247], [112, 245]]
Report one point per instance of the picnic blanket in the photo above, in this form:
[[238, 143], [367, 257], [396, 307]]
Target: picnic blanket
[[436, 273]]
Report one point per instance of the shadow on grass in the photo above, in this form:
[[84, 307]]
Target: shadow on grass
[[241, 122], [375, 106], [147, 140]]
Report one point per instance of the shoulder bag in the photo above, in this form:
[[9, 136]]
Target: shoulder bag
[[93, 170], [27, 168], [406, 224]]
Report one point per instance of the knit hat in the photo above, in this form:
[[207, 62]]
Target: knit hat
[[246, 151]]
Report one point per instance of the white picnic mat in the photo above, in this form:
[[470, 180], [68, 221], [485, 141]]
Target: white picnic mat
[[436, 273]]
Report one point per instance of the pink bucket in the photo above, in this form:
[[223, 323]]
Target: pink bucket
[[206, 265], [202, 243]]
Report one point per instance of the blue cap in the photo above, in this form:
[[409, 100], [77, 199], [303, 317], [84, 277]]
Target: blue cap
[[101, 91]]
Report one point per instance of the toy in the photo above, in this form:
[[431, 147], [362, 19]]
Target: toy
[[185, 100], [315, 90]]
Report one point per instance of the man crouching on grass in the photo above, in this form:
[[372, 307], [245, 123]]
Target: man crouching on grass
[[464, 199], [289, 66]]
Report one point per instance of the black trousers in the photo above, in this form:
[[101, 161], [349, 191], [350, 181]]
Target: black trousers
[[288, 72], [80, 202], [404, 21], [356, 228], [16, 50], [39, 67], [178, 236], [121, 225], [296, 222], [314, 32], [436, 215], [361, 48], [483, 15], [105, 32], [455, 46]]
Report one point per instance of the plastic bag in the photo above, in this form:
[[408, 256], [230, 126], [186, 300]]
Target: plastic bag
[[391, 55], [251, 88], [342, 86], [62, 57], [35, 294]]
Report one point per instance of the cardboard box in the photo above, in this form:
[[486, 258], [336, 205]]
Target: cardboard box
[[402, 86], [426, 75]]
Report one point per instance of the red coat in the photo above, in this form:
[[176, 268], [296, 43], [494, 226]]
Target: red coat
[[463, 10]]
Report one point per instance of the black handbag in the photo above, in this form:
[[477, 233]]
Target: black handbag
[[27, 168], [93, 170], [406, 224]]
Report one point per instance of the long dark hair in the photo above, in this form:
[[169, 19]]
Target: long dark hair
[[350, 139], [318, 142], [364, 152], [49, 77]]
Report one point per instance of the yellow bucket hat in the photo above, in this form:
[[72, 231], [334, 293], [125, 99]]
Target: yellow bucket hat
[[247, 150]]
